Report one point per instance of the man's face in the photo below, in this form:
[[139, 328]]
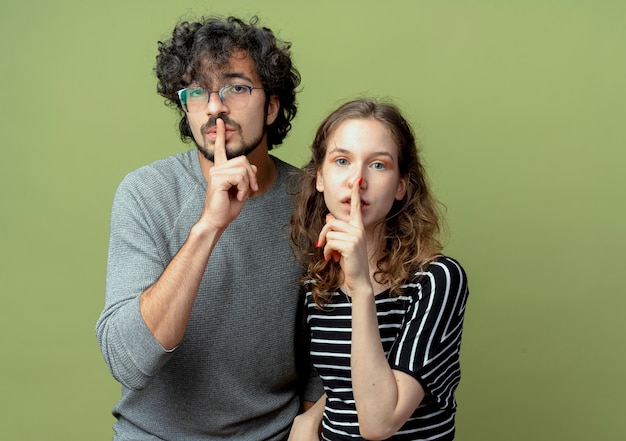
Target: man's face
[[245, 128]]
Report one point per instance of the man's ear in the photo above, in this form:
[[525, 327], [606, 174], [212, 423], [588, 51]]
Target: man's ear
[[272, 110]]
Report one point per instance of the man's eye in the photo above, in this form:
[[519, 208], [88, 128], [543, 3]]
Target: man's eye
[[238, 88], [195, 93]]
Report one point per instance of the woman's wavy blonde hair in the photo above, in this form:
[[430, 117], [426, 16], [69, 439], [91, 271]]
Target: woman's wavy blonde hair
[[412, 227]]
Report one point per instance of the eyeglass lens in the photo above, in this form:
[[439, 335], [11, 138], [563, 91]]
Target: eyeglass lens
[[235, 97]]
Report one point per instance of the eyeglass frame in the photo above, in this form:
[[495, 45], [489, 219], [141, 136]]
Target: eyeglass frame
[[210, 92]]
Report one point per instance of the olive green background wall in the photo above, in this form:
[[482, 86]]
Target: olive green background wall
[[520, 106]]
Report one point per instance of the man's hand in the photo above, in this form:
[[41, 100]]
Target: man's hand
[[230, 182]]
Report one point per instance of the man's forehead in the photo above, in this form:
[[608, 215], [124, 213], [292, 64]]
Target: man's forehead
[[238, 65]]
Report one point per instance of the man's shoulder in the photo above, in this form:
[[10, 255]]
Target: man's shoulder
[[173, 175], [285, 167], [173, 168], [287, 174], [171, 165]]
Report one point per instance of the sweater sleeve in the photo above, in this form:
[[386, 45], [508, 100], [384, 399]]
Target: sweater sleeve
[[428, 344], [136, 260], [312, 386]]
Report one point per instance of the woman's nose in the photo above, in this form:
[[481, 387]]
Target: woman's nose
[[357, 180]]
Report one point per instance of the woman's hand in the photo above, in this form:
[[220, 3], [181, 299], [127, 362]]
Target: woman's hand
[[345, 243], [307, 425]]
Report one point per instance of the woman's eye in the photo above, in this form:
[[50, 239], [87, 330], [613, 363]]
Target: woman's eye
[[379, 166], [341, 161]]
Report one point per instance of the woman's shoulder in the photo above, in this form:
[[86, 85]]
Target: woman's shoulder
[[446, 263], [444, 271]]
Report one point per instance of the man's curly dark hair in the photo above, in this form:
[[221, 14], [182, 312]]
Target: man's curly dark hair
[[212, 39]]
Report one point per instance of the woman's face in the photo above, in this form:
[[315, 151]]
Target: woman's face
[[361, 148]]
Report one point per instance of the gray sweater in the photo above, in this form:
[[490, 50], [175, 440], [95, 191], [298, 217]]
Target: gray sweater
[[234, 374]]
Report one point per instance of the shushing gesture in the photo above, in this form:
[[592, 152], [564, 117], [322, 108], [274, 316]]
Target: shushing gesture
[[345, 243], [230, 182]]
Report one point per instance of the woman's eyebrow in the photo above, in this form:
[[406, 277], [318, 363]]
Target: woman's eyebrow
[[345, 152]]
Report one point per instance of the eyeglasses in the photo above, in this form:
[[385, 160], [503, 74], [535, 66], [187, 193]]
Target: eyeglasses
[[234, 96]]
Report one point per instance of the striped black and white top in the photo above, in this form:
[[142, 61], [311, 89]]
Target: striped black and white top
[[421, 335]]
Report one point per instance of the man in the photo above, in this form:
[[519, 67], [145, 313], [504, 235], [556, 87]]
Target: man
[[200, 318]]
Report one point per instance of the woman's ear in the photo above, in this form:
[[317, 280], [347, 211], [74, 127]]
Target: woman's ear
[[402, 186], [319, 182]]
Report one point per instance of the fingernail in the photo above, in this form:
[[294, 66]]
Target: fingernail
[[317, 244], [325, 258], [360, 181]]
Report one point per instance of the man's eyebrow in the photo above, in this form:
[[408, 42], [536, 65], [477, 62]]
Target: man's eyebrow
[[240, 75]]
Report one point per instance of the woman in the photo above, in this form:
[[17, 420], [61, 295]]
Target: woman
[[384, 306]]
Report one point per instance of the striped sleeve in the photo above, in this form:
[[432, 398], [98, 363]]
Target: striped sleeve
[[428, 344]]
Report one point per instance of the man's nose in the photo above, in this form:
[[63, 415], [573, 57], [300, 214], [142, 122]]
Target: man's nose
[[215, 106]]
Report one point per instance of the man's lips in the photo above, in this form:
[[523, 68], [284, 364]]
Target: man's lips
[[212, 133], [210, 127]]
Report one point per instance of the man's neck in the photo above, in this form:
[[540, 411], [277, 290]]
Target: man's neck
[[266, 168]]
